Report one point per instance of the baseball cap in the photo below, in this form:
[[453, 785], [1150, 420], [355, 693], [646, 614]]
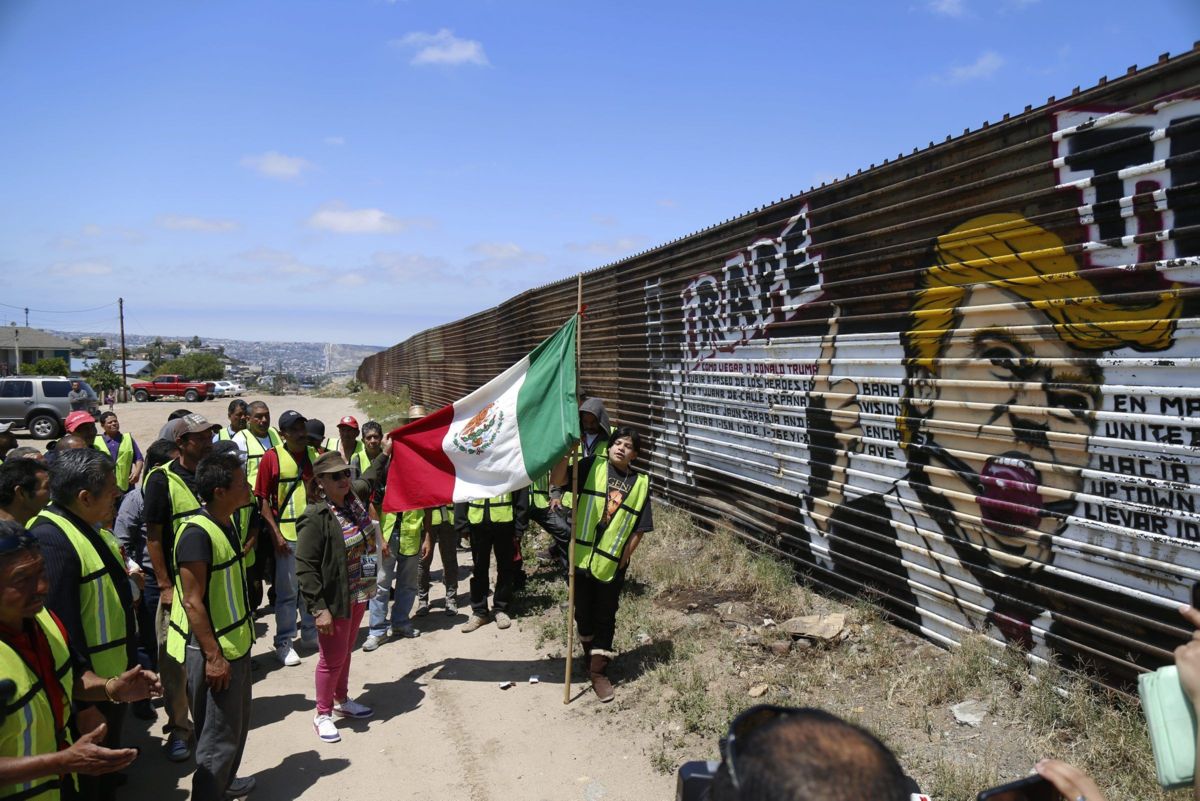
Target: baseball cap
[[349, 422], [229, 446], [193, 424], [289, 418], [315, 428], [76, 419], [329, 462]]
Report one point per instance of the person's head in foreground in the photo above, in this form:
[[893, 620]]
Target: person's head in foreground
[[778, 754]]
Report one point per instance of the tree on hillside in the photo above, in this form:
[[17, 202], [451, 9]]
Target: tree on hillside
[[195, 343], [173, 348], [103, 376], [51, 366], [195, 366]]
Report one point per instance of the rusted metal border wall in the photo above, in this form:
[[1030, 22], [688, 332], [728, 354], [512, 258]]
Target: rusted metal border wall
[[964, 381]]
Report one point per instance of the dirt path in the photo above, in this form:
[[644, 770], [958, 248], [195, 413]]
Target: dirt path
[[443, 729]]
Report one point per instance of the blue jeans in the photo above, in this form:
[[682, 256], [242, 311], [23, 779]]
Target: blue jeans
[[287, 600], [403, 569]]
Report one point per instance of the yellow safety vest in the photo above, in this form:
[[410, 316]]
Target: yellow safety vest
[[241, 521], [411, 527], [124, 458], [184, 502], [29, 727], [255, 450], [291, 497], [500, 509], [360, 456], [539, 492], [226, 599], [601, 453], [223, 434], [603, 557], [100, 609]]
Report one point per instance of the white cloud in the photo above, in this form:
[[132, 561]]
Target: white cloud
[[622, 246], [408, 266], [668, 203], [442, 49], [948, 8], [604, 219], [503, 251], [276, 165], [988, 63], [338, 218], [178, 222], [336, 141], [351, 279], [81, 269]]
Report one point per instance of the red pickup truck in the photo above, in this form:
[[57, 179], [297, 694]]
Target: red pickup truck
[[172, 386]]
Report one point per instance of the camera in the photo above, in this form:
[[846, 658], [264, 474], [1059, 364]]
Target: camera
[[694, 778]]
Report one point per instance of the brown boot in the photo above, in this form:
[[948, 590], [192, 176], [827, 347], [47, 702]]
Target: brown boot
[[599, 676]]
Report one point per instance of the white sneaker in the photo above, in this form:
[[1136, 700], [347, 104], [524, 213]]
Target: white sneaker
[[287, 656], [326, 729], [451, 605], [352, 709], [388, 634], [503, 621], [372, 642]]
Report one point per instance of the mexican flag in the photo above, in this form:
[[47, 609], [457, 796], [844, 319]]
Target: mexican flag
[[497, 439]]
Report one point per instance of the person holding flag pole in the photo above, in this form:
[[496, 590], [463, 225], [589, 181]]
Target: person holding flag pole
[[495, 440]]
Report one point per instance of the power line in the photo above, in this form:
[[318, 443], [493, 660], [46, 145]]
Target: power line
[[58, 311]]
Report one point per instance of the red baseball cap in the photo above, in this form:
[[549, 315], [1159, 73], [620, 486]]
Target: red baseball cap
[[76, 419], [349, 422]]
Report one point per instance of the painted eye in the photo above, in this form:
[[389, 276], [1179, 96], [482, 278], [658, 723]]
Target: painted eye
[[999, 353], [1071, 401]]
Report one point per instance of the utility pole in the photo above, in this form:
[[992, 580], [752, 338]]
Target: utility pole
[[26, 316], [124, 377]]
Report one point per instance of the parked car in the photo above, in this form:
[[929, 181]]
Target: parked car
[[39, 402], [228, 389], [172, 386]]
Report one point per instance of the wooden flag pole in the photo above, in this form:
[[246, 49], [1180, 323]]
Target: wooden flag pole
[[574, 500]]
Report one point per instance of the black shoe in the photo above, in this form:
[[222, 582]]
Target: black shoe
[[241, 787]]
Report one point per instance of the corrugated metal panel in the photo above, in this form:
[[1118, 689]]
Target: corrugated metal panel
[[964, 382]]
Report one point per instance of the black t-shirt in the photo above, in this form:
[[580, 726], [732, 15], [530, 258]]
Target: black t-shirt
[[157, 495], [195, 545], [619, 485]]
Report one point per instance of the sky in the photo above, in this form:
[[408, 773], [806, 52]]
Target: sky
[[357, 171]]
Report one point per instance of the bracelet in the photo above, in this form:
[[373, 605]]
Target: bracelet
[[108, 693]]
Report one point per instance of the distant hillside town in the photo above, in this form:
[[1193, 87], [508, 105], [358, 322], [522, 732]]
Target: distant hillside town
[[24, 349]]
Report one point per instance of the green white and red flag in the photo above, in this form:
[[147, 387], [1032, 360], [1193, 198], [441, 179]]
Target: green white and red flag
[[498, 439]]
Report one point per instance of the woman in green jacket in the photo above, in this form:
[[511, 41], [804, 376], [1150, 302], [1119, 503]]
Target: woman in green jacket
[[335, 568]]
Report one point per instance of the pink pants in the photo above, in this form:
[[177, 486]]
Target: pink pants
[[333, 666]]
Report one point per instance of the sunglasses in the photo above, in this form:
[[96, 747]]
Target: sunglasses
[[741, 726], [15, 542], [338, 476]]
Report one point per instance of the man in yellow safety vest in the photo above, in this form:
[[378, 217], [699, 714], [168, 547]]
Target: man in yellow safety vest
[[89, 588], [43, 677], [124, 451], [285, 475], [611, 514]]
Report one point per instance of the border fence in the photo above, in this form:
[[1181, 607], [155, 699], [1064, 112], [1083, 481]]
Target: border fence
[[964, 382]]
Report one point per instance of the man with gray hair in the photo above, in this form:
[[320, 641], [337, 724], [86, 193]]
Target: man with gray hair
[[88, 586]]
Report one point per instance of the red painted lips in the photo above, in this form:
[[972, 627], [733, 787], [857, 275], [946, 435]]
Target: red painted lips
[[1010, 501]]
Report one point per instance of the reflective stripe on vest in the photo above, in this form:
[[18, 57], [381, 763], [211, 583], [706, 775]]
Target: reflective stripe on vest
[[184, 502], [291, 496], [223, 434], [255, 450], [539, 492], [500, 509], [124, 458], [241, 521], [29, 727], [603, 557], [100, 610], [226, 599], [409, 525]]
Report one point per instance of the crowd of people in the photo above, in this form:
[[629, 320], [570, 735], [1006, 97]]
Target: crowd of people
[[128, 575]]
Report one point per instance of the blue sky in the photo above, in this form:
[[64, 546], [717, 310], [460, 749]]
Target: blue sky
[[241, 169]]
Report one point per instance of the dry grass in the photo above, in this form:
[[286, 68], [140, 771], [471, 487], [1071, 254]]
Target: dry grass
[[683, 674], [388, 410]]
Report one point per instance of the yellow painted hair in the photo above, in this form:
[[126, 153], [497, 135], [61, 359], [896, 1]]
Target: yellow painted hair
[[1009, 252]]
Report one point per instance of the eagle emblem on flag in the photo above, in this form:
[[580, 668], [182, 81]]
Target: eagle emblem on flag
[[480, 431]]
